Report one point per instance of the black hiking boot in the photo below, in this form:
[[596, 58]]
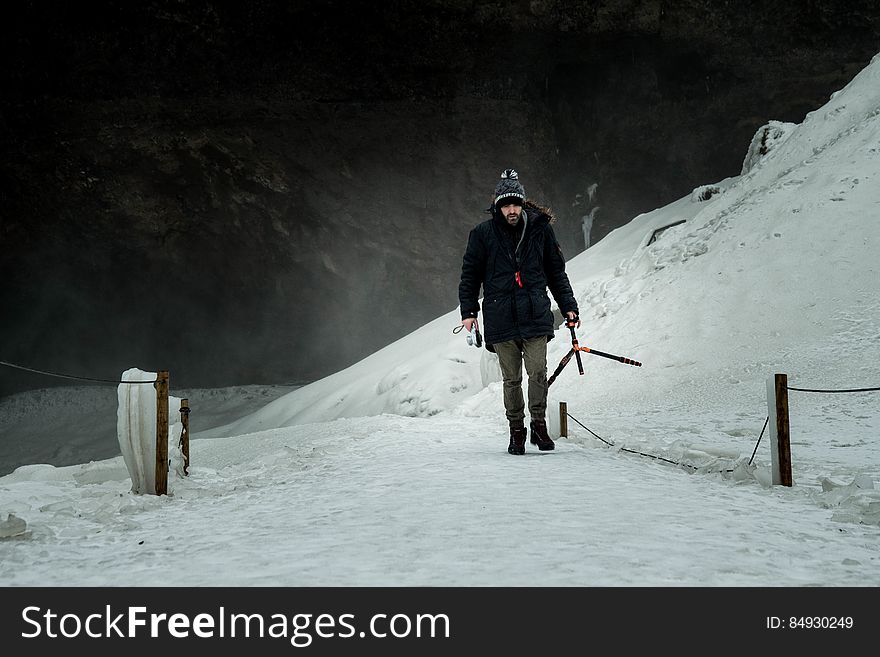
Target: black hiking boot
[[517, 441], [540, 437]]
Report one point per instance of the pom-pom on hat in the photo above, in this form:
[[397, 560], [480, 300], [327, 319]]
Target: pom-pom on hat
[[509, 190]]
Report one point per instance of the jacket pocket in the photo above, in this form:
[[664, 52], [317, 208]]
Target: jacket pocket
[[498, 315], [539, 304]]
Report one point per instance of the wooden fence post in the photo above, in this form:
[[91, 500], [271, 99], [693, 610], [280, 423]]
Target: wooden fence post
[[563, 419], [780, 443], [161, 386], [184, 436]]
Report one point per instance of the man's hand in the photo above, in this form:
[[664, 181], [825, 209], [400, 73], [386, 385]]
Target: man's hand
[[573, 317], [469, 324]]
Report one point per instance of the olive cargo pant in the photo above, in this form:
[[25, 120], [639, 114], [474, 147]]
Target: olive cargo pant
[[511, 356]]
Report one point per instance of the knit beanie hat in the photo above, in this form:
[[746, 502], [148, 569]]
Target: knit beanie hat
[[509, 190]]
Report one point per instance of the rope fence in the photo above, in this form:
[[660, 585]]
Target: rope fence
[[841, 390], [777, 399], [653, 456], [780, 447], [780, 430], [162, 463], [68, 376]]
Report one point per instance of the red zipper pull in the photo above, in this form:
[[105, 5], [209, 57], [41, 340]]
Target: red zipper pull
[[518, 279]]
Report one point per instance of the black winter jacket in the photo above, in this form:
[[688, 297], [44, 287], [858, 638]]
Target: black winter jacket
[[514, 277]]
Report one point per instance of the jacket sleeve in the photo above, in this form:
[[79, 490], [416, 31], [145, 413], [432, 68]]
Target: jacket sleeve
[[557, 279], [473, 269]]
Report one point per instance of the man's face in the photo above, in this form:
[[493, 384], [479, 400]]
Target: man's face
[[512, 212]]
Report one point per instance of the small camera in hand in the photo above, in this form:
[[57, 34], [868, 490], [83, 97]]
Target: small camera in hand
[[474, 338]]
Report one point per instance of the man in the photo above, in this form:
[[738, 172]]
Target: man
[[515, 257]]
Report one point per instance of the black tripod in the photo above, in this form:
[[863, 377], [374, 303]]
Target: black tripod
[[576, 352]]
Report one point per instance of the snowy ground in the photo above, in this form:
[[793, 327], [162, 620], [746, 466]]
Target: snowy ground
[[392, 500]]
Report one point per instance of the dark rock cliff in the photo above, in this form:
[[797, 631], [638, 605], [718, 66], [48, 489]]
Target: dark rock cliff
[[269, 191]]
